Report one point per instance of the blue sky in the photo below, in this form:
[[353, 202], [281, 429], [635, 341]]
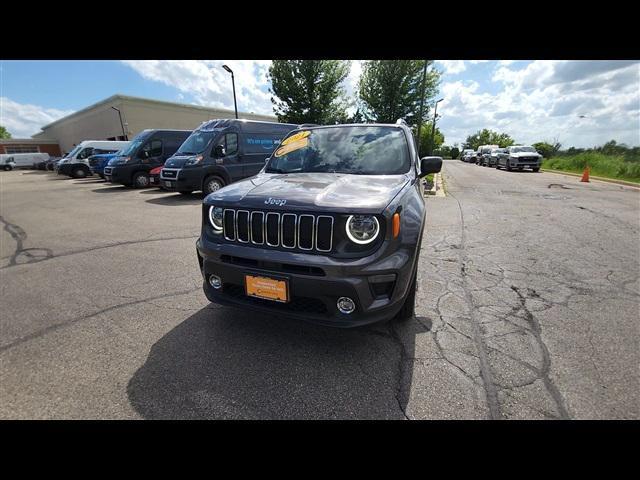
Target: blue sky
[[530, 100]]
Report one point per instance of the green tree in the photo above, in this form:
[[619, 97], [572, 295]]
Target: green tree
[[308, 91], [488, 137], [546, 149], [455, 152], [425, 139], [391, 89], [4, 133]]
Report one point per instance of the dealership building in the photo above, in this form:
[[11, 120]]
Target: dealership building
[[102, 120]]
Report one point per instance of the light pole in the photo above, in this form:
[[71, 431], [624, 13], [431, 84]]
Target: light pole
[[424, 79], [233, 82], [124, 134], [433, 126]]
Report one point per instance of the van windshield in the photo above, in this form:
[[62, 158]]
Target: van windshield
[[73, 152], [374, 150], [134, 145], [197, 142]]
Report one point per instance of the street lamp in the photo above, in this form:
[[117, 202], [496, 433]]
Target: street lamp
[[433, 126], [121, 124], [233, 82]]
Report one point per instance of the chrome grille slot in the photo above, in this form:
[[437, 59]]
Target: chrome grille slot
[[274, 229], [288, 230], [229, 224], [257, 228], [272, 222]]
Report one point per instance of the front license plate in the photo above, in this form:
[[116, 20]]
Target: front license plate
[[267, 288], [167, 184]]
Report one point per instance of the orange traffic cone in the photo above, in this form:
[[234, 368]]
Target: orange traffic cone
[[585, 175]]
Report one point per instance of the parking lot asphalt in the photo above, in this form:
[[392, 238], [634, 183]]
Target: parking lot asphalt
[[528, 305]]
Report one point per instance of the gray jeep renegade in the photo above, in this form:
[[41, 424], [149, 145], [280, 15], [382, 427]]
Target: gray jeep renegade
[[329, 231]]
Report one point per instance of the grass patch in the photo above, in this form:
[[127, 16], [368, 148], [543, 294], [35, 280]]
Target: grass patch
[[602, 165]]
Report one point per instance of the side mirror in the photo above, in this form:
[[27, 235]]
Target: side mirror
[[145, 153], [220, 151], [430, 165]]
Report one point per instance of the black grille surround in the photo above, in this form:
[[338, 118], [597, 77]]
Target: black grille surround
[[304, 232]]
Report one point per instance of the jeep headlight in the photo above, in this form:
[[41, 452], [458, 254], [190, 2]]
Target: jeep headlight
[[362, 229], [215, 218]]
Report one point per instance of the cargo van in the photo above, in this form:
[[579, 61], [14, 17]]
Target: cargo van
[[76, 163], [148, 150], [24, 160], [220, 152]]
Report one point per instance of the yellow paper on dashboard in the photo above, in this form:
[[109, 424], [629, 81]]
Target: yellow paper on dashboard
[[296, 137], [290, 147]]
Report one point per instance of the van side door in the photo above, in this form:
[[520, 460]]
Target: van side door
[[256, 148], [152, 153], [230, 161]]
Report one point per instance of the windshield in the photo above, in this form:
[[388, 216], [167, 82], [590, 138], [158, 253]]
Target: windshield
[[133, 146], [73, 152], [197, 142], [371, 150], [523, 149]]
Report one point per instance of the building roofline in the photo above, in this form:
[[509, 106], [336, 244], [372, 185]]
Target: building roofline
[[119, 96], [8, 141]]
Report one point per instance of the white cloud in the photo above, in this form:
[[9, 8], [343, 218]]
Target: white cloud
[[545, 99], [23, 120], [452, 67], [208, 84]]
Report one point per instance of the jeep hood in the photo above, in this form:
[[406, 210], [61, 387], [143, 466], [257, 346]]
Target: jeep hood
[[312, 191]]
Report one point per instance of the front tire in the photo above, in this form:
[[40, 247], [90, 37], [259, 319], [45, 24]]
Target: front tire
[[79, 173], [536, 169], [140, 180], [212, 184]]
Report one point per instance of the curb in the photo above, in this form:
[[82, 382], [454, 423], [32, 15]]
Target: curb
[[591, 177], [438, 186]]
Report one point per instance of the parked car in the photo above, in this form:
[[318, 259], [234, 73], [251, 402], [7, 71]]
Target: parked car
[[470, 157], [76, 164], [22, 160], [329, 231], [466, 153], [98, 162], [220, 152], [483, 153], [154, 177], [520, 157], [492, 160], [148, 150]]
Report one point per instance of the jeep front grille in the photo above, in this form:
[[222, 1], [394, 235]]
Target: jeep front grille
[[277, 229]]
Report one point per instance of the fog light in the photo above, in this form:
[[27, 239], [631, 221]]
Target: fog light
[[215, 281], [346, 305]]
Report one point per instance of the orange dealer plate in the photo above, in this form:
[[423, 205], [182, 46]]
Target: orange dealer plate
[[267, 288]]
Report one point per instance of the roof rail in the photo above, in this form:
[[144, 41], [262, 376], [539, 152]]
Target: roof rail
[[401, 121], [307, 125]]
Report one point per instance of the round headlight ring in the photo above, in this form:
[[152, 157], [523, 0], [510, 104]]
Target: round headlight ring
[[212, 209], [356, 240]]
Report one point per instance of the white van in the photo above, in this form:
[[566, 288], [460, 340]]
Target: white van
[[81, 153], [10, 161]]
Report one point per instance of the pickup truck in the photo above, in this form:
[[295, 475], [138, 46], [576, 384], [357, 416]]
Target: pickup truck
[[520, 157]]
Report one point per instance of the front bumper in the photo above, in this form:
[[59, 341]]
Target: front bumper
[[119, 174], [181, 179], [314, 292]]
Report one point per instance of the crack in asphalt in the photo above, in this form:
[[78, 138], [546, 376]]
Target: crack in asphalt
[[485, 368], [19, 235], [57, 326], [50, 255]]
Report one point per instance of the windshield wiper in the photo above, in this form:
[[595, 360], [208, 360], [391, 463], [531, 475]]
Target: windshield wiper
[[274, 170]]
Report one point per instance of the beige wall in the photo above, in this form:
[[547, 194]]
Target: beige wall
[[101, 122]]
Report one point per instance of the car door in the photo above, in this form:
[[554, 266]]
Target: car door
[[151, 155], [231, 159]]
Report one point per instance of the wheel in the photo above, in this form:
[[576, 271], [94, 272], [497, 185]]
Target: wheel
[[140, 180], [520, 169], [79, 173], [536, 169], [212, 184], [508, 167], [101, 175], [186, 192]]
